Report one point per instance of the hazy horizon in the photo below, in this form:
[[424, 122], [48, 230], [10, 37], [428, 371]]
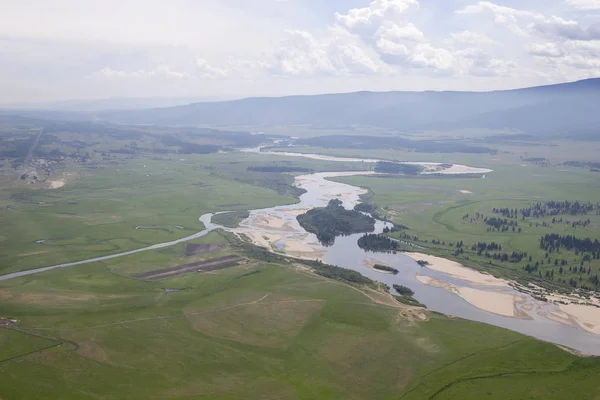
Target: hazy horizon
[[68, 50]]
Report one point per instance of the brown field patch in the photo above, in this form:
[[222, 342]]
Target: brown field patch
[[192, 249], [199, 266], [6, 294], [91, 349]]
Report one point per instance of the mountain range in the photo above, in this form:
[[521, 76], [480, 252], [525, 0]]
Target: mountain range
[[567, 108], [571, 107]]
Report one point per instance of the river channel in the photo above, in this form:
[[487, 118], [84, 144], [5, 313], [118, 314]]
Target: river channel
[[277, 228]]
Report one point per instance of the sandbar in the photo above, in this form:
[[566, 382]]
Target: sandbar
[[458, 271], [587, 317], [497, 303]]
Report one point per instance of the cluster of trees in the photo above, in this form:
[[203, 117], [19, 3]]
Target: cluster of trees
[[403, 290], [341, 274], [395, 228], [515, 257], [554, 242], [334, 220], [584, 224], [386, 268], [583, 164], [378, 243], [406, 236], [549, 208], [482, 246], [394, 168], [553, 208], [502, 224], [507, 212]]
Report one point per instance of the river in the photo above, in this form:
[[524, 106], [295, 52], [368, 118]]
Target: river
[[278, 228]]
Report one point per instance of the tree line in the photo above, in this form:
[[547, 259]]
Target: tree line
[[548, 209], [554, 242]]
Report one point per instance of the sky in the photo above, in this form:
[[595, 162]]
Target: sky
[[89, 49]]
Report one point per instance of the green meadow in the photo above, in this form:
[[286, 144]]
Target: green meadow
[[97, 212], [263, 330], [257, 331]]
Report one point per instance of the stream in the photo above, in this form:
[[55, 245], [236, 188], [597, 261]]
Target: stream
[[278, 228]]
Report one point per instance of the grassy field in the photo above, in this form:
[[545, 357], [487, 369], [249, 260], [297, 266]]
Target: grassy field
[[256, 331], [98, 210]]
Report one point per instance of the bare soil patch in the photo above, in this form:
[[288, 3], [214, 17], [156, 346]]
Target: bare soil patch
[[192, 249], [201, 266]]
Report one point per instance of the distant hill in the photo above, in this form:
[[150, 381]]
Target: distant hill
[[554, 108], [112, 103], [566, 109]]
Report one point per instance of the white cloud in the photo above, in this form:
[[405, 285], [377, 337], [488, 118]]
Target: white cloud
[[204, 70], [472, 38], [581, 62], [476, 62], [161, 71], [569, 29], [545, 50], [381, 39], [370, 17], [500, 13], [523, 22], [427, 56], [590, 48], [393, 32], [584, 4], [301, 53], [181, 47]]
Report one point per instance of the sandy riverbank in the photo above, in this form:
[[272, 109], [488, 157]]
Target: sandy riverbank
[[494, 300], [587, 317], [269, 221], [458, 271], [504, 304]]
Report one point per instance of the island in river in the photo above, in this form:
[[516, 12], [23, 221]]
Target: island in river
[[334, 220]]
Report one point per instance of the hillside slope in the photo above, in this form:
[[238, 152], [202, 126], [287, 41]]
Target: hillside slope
[[569, 106]]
